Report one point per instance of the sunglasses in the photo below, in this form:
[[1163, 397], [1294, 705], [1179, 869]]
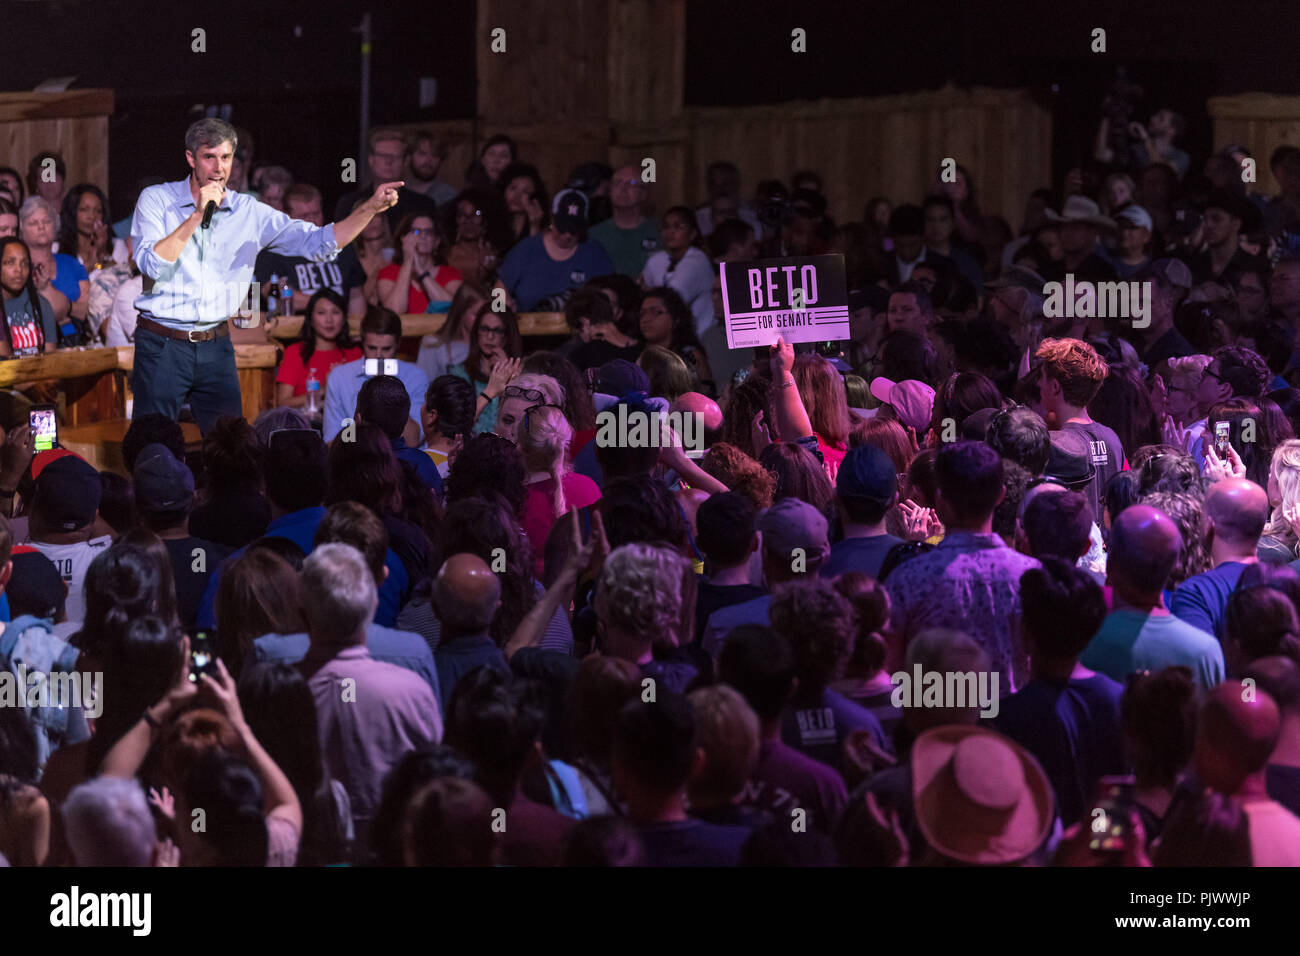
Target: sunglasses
[[533, 408], [527, 394]]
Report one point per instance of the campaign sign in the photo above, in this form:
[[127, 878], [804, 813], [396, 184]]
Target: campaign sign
[[800, 299]]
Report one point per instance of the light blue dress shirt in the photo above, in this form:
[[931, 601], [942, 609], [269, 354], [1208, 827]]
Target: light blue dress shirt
[[344, 385], [210, 279]]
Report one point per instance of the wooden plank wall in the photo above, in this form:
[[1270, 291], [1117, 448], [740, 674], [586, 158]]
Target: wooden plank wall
[[74, 123], [1261, 121]]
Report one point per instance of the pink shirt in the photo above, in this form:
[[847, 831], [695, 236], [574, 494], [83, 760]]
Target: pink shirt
[[368, 725], [539, 509], [833, 455]]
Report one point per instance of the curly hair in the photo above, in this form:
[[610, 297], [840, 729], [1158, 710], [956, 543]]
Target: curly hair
[[639, 592], [820, 625], [1076, 365], [752, 396], [740, 473], [1184, 508]]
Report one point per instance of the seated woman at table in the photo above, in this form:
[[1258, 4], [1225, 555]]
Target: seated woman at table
[[323, 343], [29, 321], [415, 277], [60, 278], [495, 347]]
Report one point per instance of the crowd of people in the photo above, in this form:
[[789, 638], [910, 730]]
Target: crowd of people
[[435, 620]]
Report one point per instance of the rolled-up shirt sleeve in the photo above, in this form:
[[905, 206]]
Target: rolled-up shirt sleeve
[[293, 237], [149, 227]]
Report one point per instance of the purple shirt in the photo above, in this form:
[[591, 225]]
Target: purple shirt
[[786, 779], [969, 583], [367, 726]]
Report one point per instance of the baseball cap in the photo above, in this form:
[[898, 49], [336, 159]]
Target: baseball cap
[[620, 377], [1135, 216], [912, 400], [162, 482], [36, 586], [44, 458], [793, 523], [68, 491], [866, 472], [569, 210]]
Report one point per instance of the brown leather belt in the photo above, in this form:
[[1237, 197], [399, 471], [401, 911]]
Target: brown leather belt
[[182, 335]]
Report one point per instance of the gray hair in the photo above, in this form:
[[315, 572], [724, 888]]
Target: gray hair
[[640, 591], [278, 419], [938, 649], [107, 822], [338, 592], [31, 204], [210, 132]]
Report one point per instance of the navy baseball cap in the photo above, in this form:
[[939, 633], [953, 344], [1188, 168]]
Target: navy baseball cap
[[36, 587], [569, 211], [867, 472], [162, 482], [68, 491], [619, 377]]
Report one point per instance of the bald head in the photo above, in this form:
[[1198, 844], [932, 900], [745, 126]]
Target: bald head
[[1235, 735], [1144, 547], [465, 595], [1237, 509]]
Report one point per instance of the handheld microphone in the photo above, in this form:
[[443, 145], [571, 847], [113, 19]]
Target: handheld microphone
[[207, 213]]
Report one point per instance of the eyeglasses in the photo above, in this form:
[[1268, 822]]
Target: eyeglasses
[[533, 408], [391, 157], [422, 232], [527, 394], [492, 330]]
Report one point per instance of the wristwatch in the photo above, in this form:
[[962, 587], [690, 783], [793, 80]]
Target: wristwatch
[[422, 276]]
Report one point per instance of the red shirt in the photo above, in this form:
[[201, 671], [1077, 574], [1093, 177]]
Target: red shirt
[[539, 509], [419, 302], [294, 372]]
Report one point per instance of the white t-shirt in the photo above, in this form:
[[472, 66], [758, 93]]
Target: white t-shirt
[[692, 278], [72, 560]]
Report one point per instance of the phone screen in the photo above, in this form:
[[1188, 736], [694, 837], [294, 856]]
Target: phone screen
[[1108, 823], [45, 428], [376, 366], [202, 659], [1221, 438]]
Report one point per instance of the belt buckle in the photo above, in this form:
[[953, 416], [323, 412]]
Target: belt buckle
[[190, 335]]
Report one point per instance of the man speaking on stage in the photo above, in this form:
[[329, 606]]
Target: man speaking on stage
[[195, 243]]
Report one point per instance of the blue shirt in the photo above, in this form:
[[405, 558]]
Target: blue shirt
[[71, 274], [344, 385], [530, 274], [300, 528], [384, 644], [422, 463], [1202, 600], [859, 554], [724, 620], [1072, 729], [1131, 640], [210, 279], [454, 659]]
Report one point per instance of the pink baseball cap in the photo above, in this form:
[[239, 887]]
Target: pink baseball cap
[[913, 401]]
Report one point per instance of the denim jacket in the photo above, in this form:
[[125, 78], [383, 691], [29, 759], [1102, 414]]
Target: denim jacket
[[28, 645]]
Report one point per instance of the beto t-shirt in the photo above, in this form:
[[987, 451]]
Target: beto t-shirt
[[73, 560], [1107, 458], [27, 335], [342, 275]]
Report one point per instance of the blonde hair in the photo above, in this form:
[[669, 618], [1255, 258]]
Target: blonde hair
[[1185, 372], [544, 436], [1286, 470]]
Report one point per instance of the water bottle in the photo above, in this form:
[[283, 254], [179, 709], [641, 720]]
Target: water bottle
[[286, 298], [313, 393], [273, 296]]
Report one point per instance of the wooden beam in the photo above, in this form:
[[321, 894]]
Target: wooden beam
[[19, 107], [67, 363], [415, 325]]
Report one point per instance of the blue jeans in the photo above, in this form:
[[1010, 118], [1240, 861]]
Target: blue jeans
[[167, 371]]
